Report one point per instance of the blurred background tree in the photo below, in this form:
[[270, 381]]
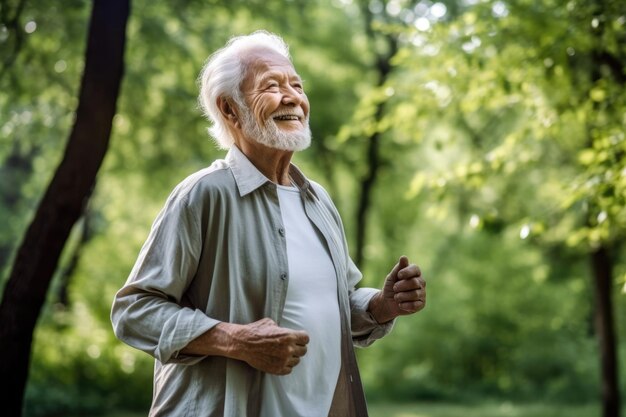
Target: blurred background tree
[[484, 139], [540, 117], [64, 199]]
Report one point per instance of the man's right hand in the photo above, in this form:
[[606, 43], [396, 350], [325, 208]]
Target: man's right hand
[[263, 345], [267, 347]]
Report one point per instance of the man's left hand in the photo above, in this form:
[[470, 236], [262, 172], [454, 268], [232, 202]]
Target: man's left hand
[[404, 292]]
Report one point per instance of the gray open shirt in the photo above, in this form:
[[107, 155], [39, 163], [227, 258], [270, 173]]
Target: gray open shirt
[[217, 252]]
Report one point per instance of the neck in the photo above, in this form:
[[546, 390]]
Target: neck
[[273, 163]]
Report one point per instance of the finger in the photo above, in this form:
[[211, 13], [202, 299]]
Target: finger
[[407, 285], [409, 272], [412, 306], [410, 284], [406, 296], [292, 362], [266, 321], [286, 370], [299, 351], [403, 262], [301, 337]]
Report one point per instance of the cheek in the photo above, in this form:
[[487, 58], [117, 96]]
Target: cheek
[[305, 104], [262, 106]]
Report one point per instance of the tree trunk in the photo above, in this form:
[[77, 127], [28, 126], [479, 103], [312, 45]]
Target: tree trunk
[[367, 186], [62, 203], [602, 267], [601, 262], [383, 69], [66, 272]]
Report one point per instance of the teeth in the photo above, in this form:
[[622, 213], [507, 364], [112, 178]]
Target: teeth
[[287, 117]]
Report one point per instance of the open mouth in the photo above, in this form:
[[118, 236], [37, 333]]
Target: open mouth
[[286, 117]]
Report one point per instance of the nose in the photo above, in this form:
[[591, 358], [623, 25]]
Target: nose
[[291, 96]]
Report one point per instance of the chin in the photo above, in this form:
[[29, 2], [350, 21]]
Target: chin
[[287, 141], [291, 144], [295, 142]]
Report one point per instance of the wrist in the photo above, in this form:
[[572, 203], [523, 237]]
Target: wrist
[[226, 335], [379, 309]]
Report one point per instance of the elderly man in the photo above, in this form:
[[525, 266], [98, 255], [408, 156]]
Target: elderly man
[[244, 291]]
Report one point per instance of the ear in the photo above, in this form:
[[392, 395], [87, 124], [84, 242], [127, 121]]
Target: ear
[[227, 110]]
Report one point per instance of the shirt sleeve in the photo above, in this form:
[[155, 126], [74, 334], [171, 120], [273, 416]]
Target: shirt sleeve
[[147, 312], [365, 329]]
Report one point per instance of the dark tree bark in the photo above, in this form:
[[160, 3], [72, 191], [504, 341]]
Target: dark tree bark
[[383, 69], [62, 203], [601, 260], [66, 272], [602, 268]]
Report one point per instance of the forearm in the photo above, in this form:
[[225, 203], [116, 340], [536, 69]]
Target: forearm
[[218, 341], [155, 325], [263, 345]]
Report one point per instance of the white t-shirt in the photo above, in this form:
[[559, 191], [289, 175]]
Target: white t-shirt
[[311, 305]]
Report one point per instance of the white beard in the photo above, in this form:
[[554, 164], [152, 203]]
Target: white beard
[[271, 136]]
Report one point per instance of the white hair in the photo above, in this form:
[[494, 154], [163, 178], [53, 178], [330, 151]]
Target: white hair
[[223, 73]]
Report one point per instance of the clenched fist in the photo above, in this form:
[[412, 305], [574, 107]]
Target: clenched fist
[[269, 348], [404, 292]]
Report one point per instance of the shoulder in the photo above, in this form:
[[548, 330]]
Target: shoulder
[[215, 179], [320, 191]]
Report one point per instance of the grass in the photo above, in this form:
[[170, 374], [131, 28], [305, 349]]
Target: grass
[[504, 409]]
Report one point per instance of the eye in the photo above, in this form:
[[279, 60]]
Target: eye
[[297, 86], [271, 85]]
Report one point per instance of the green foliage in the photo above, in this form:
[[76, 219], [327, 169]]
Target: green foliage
[[542, 115], [491, 328], [517, 112], [41, 50], [80, 368]]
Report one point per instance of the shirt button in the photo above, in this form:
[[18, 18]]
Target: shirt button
[[281, 231], [283, 276]]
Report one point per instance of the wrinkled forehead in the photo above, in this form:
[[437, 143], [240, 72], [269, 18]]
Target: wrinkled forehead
[[260, 63]]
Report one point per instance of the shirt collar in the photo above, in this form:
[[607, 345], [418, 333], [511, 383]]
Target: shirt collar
[[248, 178]]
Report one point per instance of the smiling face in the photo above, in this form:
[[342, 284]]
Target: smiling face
[[276, 111]]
